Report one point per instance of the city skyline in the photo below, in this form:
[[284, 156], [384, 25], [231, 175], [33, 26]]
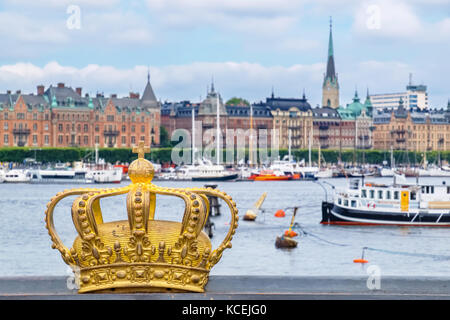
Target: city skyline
[[281, 45]]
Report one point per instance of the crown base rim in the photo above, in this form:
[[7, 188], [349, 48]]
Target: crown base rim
[[142, 278], [114, 289]]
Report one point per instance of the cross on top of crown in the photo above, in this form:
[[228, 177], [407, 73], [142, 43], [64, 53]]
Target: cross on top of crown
[[141, 150]]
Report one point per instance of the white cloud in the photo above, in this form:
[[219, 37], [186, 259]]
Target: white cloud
[[387, 19], [252, 81], [260, 17], [399, 21]]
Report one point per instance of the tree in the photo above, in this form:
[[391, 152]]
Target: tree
[[164, 138], [238, 102]]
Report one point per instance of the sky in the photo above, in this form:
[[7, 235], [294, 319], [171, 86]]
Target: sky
[[247, 46]]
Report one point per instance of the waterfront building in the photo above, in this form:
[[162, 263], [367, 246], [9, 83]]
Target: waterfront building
[[356, 124], [412, 129], [327, 128], [291, 117], [62, 117], [178, 115], [415, 96]]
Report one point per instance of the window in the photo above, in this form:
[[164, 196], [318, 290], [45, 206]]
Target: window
[[133, 128], [396, 195], [388, 195], [372, 194], [46, 127], [86, 128], [96, 128], [21, 116], [339, 201], [60, 139], [97, 139], [124, 128], [133, 140], [60, 127], [5, 126], [110, 118], [46, 140], [353, 203], [34, 126], [34, 116], [346, 203], [86, 140], [380, 194], [413, 195], [124, 140], [34, 139], [6, 138]]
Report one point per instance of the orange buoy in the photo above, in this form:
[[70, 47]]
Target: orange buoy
[[290, 233], [360, 261], [280, 214]]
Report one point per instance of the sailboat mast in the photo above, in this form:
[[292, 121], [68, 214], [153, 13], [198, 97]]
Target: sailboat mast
[[309, 149], [251, 136], [193, 135], [289, 150], [320, 156], [218, 132]]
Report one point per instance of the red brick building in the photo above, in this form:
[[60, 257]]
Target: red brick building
[[61, 117]]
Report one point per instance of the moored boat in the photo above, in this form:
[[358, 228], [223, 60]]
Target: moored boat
[[17, 176], [396, 204]]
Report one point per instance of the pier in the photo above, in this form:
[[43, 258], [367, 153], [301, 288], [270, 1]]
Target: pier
[[247, 288]]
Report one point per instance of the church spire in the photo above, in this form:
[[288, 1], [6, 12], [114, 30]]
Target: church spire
[[330, 87], [331, 73]]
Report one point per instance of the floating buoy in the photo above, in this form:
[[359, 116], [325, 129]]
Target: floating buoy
[[290, 233], [285, 242], [250, 216], [362, 260], [280, 214]]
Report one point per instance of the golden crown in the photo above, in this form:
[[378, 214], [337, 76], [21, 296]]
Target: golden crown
[[141, 254]]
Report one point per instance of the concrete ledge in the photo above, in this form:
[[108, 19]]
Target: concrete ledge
[[247, 288]]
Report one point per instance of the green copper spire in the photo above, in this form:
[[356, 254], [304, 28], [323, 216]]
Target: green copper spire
[[330, 41], [331, 73], [54, 103]]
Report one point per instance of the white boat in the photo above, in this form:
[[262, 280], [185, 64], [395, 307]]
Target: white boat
[[324, 173], [433, 172], [395, 204], [113, 175], [387, 172], [58, 175], [2, 176], [17, 176], [206, 171]]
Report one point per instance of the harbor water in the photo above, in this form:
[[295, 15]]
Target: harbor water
[[323, 250]]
